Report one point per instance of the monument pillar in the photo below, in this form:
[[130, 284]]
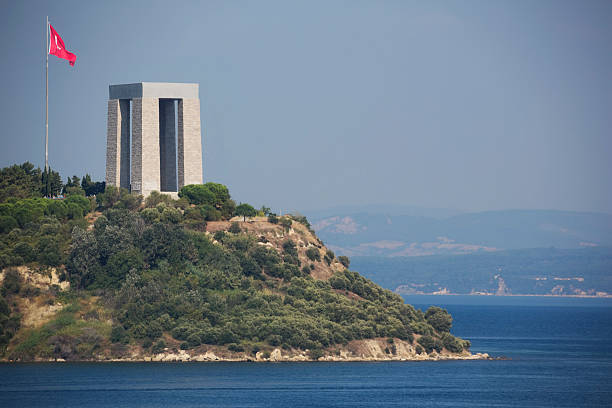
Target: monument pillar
[[163, 152], [118, 143], [189, 144]]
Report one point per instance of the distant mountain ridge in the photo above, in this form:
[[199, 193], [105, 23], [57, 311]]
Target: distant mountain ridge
[[406, 231], [537, 271]]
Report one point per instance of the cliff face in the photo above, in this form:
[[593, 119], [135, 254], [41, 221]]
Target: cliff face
[[239, 291]]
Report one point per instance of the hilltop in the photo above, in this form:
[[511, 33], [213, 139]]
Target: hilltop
[[116, 277]]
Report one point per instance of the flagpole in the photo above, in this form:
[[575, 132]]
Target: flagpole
[[47, 98]]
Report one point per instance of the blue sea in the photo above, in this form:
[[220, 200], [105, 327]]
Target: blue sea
[[559, 355]]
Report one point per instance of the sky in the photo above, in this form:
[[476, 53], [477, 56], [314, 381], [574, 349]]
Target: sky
[[472, 105]]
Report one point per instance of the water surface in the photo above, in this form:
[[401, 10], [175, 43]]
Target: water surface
[[561, 356]]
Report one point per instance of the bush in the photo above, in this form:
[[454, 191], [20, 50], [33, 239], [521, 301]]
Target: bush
[[313, 254], [210, 213], [213, 194], [430, 344], [119, 335], [451, 343], [235, 347], [25, 251], [158, 347], [80, 201], [156, 198], [315, 354], [234, 228], [286, 223], [12, 282], [344, 260], [273, 219], [329, 256], [58, 209], [194, 340], [7, 224]]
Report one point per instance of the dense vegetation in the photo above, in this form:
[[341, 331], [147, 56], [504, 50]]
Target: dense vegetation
[[535, 271], [151, 269]]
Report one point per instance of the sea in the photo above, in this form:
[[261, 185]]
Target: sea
[[557, 352]]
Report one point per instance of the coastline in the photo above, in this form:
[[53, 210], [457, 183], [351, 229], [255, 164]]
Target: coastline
[[212, 358], [374, 350]]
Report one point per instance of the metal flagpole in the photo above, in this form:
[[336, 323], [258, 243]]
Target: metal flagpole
[[47, 99]]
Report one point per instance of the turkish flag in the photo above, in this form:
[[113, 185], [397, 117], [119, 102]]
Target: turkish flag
[[57, 48]]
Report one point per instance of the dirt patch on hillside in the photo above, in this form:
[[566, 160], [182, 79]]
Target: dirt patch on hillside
[[274, 235]]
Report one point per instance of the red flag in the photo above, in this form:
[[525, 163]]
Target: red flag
[[57, 48]]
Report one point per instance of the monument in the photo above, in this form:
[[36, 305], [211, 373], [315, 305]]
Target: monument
[[153, 137]]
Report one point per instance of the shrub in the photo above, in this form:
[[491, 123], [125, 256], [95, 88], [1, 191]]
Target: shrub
[[329, 256], [429, 344], [286, 223], [11, 283], [213, 194], [210, 213], [235, 347], [194, 340], [316, 353], [155, 198], [220, 235], [344, 260], [25, 251], [119, 335], [58, 209], [7, 224], [158, 347], [234, 228], [451, 343], [274, 340], [313, 254], [273, 219]]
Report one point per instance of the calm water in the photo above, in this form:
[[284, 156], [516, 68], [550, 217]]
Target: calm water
[[560, 350]]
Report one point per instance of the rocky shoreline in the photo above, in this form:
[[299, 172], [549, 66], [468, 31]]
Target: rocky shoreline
[[211, 357], [370, 350]]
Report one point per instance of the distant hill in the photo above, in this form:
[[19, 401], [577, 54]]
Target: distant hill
[[544, 271], [409, 231]]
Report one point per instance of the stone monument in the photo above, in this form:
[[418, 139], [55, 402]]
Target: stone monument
[[154, 138]]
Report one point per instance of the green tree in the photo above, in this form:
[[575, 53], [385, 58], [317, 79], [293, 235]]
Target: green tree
[[198, 194], [20, 181], [51, 183], [245, 210], [439, 319], [90, 187], [7, 224]]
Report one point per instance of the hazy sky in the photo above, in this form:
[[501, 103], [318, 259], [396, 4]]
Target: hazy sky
[[475, 105]]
